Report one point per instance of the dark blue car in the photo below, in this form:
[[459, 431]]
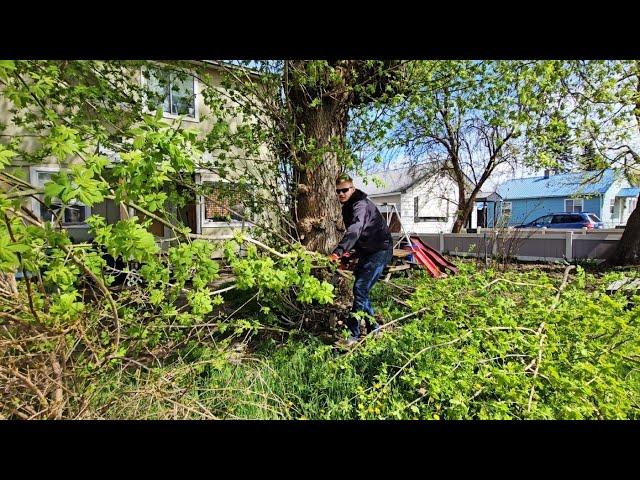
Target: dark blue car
[[566, 220]]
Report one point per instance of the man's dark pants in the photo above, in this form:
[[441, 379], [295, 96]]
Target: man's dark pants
[[367, 273]]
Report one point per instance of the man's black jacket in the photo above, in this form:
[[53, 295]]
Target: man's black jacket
[[367, 231]]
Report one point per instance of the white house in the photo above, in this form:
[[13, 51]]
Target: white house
[[426, 201]]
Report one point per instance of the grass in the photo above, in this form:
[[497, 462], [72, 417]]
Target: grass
[[489, 345]]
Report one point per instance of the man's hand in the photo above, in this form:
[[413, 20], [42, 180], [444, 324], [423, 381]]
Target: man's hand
[[334, 258]]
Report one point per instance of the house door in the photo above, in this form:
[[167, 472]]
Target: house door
[[191, 217], [188, 214], [482, 218]]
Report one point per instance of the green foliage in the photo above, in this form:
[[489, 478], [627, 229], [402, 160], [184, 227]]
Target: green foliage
[[468, 354], [126, 238], [80, 185], [66, 308], [5, 156], [471, 352], [8, 252], [271, 277]]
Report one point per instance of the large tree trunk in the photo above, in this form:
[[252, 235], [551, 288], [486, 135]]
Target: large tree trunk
[[319, 97], [318, 214], [460, 218], [628, 249], [464, 212]]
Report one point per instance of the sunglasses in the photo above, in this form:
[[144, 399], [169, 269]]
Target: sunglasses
[[342, 190]]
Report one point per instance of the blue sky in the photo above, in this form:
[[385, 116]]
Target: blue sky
[[396, 158]]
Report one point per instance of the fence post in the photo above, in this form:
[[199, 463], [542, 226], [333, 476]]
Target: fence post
[[494, 247], [441, 241], [568, 246]]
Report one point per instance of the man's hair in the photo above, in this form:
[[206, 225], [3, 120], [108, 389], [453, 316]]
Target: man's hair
[[343, 177]]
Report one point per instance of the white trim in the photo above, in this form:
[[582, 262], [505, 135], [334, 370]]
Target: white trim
[[612, 209], [171, 116], [231, 224], [34, 170], [197, 180], [375, 195]]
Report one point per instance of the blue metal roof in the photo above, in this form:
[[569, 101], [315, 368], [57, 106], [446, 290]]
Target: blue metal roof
[[629, 192], [560, 185]]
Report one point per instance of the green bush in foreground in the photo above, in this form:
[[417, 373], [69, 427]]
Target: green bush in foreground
[[484, 346]]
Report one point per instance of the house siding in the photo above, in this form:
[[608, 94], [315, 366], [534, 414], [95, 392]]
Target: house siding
[[528, 209], [388, 199], [430, 193], [620, 214]]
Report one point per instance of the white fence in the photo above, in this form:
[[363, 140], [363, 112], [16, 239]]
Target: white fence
[[528, 244]]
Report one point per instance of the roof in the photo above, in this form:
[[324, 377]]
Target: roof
[[395, 181], [628, 192], [488, 197], [560, 185]]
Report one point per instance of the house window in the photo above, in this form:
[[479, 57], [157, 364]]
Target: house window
[[73, 214], [506, 209], [573, 205], [417, 218], [172, 92], [612, 206], [222, 202]]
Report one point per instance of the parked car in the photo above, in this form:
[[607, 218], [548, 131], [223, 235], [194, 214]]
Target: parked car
[[566, 220]]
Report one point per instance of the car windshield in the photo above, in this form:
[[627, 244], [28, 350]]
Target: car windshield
[[594, 217]]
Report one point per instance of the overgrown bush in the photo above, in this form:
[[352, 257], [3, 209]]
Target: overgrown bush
[[484, 345]]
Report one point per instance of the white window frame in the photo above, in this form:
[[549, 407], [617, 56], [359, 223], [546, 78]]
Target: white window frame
[[204, 223], [35, 205], [504, 207], [574, 202], [186, 118]]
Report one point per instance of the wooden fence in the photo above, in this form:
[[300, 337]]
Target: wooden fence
[[527, 244]]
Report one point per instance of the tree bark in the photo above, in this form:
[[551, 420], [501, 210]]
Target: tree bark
[[462, 212], [319, 105], [628, 249], [465, 212], [318, 214]]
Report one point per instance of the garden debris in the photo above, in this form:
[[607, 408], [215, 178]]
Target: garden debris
[[626, 285]]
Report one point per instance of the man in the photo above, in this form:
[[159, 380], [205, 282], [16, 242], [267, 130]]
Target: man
[[368, 234]]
